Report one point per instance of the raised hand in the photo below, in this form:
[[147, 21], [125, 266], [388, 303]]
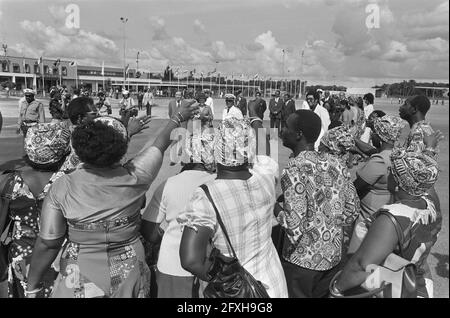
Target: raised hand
[[433, 140], [188, 109], [137, 124]]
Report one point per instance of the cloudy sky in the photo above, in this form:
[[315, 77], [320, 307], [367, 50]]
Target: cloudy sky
[[242, 36]]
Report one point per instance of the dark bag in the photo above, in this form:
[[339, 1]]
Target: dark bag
[[229, 279], [6, 189]]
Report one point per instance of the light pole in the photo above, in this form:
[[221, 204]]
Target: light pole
[[124, 21], [284, 55]]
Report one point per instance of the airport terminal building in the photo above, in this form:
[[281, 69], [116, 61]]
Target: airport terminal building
[[42, 74]]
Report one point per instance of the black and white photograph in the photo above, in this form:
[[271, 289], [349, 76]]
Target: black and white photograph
[[224, 153]]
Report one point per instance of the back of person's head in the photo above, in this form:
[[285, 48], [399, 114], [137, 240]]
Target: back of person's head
[[360, 102], [101, 142], [345, 104], [421, 103], [315, 94], [78, 108], [308, 123], [201, 97], [369, 97], [46, 146], [55, 109], [76, 91]]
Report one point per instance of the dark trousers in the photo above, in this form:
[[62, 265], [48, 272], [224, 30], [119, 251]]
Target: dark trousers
[[275, 122], [140, 104], [306, 283], [148, 107]]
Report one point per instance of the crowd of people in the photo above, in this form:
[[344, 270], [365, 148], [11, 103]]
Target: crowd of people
[[76, 223]]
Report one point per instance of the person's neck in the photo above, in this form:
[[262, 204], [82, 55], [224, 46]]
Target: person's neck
[[313, 107], [241, 174], [415, 119], [301, 146]]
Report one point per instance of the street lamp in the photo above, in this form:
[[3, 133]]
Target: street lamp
[[124, 21], [284, 55], [137, 62]]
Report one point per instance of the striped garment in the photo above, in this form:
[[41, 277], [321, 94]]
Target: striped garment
[[246, 208]]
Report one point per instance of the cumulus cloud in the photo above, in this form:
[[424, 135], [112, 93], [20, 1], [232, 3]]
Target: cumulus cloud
[[48, 40]]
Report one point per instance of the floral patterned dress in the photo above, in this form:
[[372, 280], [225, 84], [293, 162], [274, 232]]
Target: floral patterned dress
[[24, 212]]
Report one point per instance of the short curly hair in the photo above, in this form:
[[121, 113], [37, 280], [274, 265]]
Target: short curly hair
[[98, 144]]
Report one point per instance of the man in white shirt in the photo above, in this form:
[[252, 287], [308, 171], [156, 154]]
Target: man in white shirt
[[230, 109], [313, 99], [368, 109], [209, 101], [147, 101]]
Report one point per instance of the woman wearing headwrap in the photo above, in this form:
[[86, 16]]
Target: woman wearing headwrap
[[245, 198], [338, 141], [97, 207], [418, 215], [168, 202], [46, 146], [371, 179], [205, 115]]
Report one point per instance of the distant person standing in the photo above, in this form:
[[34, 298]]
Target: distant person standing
[[313, 99], [368, 109], [230, 109], [103, 105], [261, 105], [174, 104], [347, 114], [241, 103], [288, 109], [140, 97], [276, 105], [31, 112], [127, 107], [147, 101], [209, 101]]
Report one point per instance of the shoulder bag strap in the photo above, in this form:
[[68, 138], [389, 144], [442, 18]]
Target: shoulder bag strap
[[219, 219]]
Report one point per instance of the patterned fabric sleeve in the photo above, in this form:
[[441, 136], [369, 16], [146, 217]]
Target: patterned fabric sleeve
[[199, 213], [351, 205], [295, 204]]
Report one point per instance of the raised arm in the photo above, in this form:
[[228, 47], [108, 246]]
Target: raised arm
[[147, 163]]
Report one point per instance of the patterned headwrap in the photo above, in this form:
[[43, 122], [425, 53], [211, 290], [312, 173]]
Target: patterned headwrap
[[200, 149], [338, 140], [47, 143], [114, 123], [234, 142], [414, 172], [388, 128]]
